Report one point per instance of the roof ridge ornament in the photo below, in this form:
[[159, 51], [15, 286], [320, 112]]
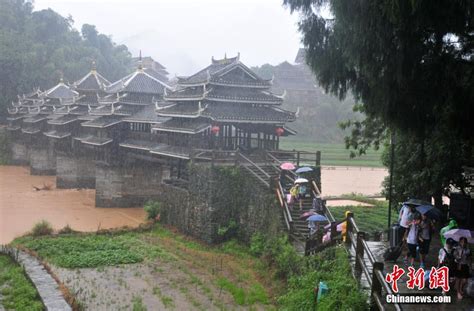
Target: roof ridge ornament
[[140, 62], [94, 67]]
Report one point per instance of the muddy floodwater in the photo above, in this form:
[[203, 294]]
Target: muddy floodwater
[[21, 206], [338, 180]]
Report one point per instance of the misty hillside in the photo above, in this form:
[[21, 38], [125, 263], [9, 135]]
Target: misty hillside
[[319, 113]]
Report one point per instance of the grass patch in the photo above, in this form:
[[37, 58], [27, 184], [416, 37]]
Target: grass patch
[[255, 294], [86, 251], [16, 290], [137, 304], [166, 300], [332, 267], [333, 154], [369, 219]]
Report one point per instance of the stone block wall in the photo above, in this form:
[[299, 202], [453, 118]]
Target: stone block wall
[[42, 161], [126, 186], [74, 172], [218, 199], [19, 154]]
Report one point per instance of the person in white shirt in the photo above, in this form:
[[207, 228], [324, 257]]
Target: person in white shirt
[[411, 236], [404, 219]]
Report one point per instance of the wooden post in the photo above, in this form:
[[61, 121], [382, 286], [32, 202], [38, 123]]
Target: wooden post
[[333, 229], [297, 158], [349, 228], [376, 285], [359, 254]]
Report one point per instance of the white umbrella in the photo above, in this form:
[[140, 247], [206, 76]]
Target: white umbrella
[[301, 180]]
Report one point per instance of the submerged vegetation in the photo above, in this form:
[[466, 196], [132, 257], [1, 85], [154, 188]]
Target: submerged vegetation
[[16, 291]]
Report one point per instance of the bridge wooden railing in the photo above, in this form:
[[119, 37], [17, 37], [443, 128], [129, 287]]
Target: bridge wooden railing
[[355, 238]]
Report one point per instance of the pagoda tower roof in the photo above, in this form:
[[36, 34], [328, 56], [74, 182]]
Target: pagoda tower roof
[[92, 81]]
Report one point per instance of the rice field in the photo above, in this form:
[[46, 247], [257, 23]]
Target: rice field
[[333, 153]]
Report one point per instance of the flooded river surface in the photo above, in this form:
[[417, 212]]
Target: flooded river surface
[[21, 206]]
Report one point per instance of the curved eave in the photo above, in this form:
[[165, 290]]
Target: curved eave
[[177, 115], [189, 98], [244, 101], [254, 86], [233, 120]]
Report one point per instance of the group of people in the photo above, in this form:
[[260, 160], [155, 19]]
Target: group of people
[[297, 194], [417, 230]]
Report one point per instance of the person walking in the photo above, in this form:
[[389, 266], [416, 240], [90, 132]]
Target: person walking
[[301, 194], [411, 236], [462, 259], [426, 231], [451, 225], [404, 219]]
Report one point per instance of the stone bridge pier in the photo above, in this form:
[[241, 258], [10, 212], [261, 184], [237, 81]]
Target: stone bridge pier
[[127, 185], [74, 172], [20, 154], [42, 160]]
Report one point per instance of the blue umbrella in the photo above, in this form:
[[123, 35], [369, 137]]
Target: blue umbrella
[[430, 211], [317, 217], [304, 169]]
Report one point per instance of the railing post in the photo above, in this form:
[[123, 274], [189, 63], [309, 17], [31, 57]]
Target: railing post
[[349, 227], [376, 285], [333, 229], [297, 158], [359, 253]]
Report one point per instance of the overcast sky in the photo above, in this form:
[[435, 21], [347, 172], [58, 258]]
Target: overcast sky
[[184, 34]]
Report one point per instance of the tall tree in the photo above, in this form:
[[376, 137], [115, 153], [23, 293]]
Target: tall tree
[[37, 47], [410, 66]]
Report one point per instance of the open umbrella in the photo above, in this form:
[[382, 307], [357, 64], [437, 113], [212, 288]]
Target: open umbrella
[[287, 166], [301, 180], [430, 211], [304, 169], [416, 202], [456, 234], [307, 214], [317, 217]]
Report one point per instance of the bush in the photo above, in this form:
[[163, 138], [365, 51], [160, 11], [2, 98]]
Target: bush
[[153, 209], [66, 230], [257, 244], [42, 228]]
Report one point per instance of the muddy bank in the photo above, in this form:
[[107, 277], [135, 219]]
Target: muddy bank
[[21, 206]]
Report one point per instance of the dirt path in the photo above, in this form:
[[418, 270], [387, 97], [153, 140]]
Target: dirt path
[[21, 206]]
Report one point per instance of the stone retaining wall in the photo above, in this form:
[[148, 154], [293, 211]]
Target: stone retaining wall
[[217, 199], [44, 283]]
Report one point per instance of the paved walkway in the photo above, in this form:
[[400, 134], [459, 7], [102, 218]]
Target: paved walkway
[[46, 286]]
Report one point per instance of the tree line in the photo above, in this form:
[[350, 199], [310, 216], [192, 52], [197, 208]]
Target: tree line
[[410, 66], [37, 48]]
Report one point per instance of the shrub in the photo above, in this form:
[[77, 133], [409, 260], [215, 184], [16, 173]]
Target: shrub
[[257, 244], [42, 228], [153, 209], [66, 230]]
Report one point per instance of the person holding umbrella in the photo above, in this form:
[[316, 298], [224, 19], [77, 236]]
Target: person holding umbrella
[[462, 259], [426, 230]]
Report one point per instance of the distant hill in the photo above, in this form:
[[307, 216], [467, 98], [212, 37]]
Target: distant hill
[[319, 113]]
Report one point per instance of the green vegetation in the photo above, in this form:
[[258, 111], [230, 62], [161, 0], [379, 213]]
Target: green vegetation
[[418, 97], [332, 267], [42, 228], [137, 304], [370, 219], [38, 47], [255, 294], [304, 273], [16, 290], [166, 300], [333, 154], [152, 209], [85, 251]]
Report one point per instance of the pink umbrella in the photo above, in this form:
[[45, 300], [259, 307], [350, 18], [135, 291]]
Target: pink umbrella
[[287, 166], [306, 215]]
